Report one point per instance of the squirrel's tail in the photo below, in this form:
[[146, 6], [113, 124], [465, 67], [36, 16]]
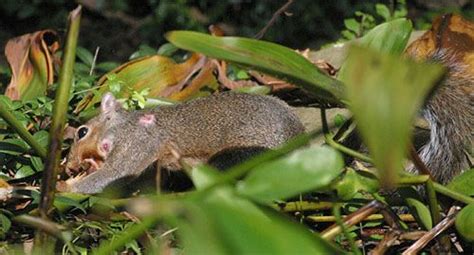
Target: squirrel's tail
[[450, 113]]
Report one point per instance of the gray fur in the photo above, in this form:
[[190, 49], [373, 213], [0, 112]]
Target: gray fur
[[196, 130]]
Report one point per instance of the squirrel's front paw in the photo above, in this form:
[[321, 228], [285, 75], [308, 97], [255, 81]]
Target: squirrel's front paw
[[62, 186], [68, 185]]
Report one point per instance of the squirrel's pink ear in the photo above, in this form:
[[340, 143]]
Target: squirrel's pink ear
[[109, 103], [106, 145]]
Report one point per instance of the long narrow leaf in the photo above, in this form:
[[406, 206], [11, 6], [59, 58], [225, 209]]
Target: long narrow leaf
[[268, 57]]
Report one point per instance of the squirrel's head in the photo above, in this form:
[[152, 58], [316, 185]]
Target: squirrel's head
[[94, 140]]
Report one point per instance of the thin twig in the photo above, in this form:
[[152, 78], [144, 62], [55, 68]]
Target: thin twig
[[373, 217], [94, 61], [262, 32], [435, 231], [353, 218]]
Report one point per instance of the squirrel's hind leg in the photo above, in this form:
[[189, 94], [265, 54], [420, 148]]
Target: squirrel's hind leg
[[228, 158]]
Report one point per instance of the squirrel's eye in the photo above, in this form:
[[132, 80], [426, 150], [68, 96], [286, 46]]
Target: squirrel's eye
[[81, 132]]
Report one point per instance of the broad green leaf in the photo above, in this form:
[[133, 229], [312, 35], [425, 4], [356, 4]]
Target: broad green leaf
[[301, 171], [167, 50], [5, 225], [267, 57], [107, 66], [85, 56], [353, 182], [13, 146], [24, 171], [203, 176], [417, 208], [421, 212], [42, 137], [352, 25], [64, 202], [389, 37], [383, 11], [37, 164], [243, 228], [385, 93], [463, 183], [465, 222], [198, 232]]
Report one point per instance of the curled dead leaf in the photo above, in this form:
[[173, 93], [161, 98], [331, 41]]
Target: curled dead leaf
[[31, 59]]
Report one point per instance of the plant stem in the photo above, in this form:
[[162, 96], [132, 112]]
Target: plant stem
[[336, 210], [373, 217], [329, 138], [453, 194], [48, 184], [22, 132], [433, 202]]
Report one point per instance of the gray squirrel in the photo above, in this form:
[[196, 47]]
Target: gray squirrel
[[118, 144]]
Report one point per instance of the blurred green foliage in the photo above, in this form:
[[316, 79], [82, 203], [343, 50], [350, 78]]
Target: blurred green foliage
[[120, 26]]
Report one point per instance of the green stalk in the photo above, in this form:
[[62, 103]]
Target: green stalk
[[433, 202], [56, 131], [329, 139], [453, 194], [336, 211], [22, 132]]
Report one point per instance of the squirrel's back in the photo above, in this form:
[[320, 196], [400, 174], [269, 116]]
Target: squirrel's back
[[229, 120]]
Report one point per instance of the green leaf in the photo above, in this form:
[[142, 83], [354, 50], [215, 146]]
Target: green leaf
[[85, 56], [198, 231], [463, 183], [106, 66], [355, 181], [382, 10], [167, 49], [352, 25], [143, 51], [5, 225], [41, 138], [389, 37], [385, 94], [65, 201], [37, 163], [264, 56], [203, 176], [6, 102], [13, 146], [421, 212], [243, 228], [302, 171], [24, 171], [465, 222]]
